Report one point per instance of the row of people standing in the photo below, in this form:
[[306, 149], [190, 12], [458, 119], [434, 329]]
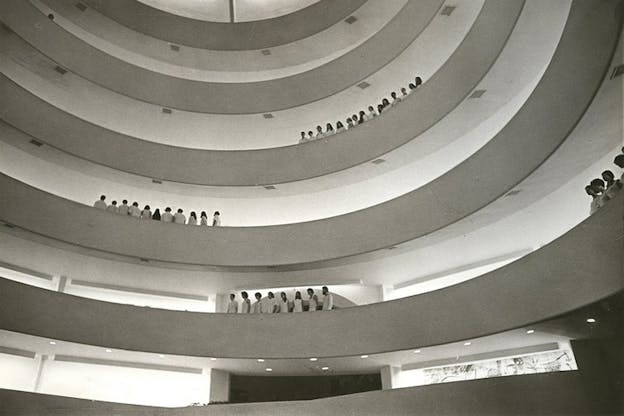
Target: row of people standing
[[167, 216], [605, 188], [362, 116], [271, 304]]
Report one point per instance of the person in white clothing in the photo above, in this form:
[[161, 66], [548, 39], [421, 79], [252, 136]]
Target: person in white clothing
[[328, 299], [403, 93], [257, 305], [270, 304], [298, 302], [613, 185], [100, 204], [146, 214], [203, 220], [134, 210], [303, 138], [312, 300], [340, 127], [233, 305], [329, 130], [246, 304], [284, 305], [597, 201], [179, 217], [167, 216], [319, 133], [192, 219], [112, 207], [124, 208], [216, 219]]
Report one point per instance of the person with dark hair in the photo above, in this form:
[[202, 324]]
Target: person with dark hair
[[124, 209], [328, 299], [156, 215], [613, 185], [100, 203], [203, 218], [598, 185], [233, 304], [403, 93], [355, 119], [418, 81], [395, 99], [310, 136], [385, 103], [134, 210], [192, 219], [257, 305], [270, 304], [179, 217], [371, 113], [349, 123], [380, 108], [298, 302], [597, 201], [312, 300], [329, 130], [319, 133], [340, 127], [167, 216], [50, 16], [216, 219], [112, 207], [412, 87], [619, 162], [284, 304], [361, 117], [146, 214], [246, 305], [303, 138]]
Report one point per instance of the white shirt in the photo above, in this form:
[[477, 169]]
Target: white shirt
[[179, 218], [112, 208], [328, 302], [146, 214], [232, 307], [203, 221], [99, 204], [246, 306], [269, 305], [192, 221], [283, 306], [298, 305], [216, 221], [257, 307], [134, 211], [166, 217], [123, 209], [312, 303], [596, 204]]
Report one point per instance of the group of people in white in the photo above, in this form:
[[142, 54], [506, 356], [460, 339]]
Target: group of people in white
[[603, 189], [271, 304], [167, 216], [362, 116]]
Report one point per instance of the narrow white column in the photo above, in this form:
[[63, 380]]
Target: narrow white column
[[219, 386], [388, 373]]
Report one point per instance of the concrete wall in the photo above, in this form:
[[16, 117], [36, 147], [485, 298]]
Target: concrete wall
[[579, 268], [213, 97], [553, 393], [434, 100], [258, 34]]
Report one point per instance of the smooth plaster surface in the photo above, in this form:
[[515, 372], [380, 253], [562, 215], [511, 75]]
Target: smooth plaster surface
[[579, 268]]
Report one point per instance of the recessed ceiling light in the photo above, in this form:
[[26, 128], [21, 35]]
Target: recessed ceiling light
[[213, 359], [591, 320], [109, 350], [364, 356], [324, 368], [467, 343], [161, 355], [530, 331], [416, 351], [313, 359], [268, 369], [260, 360], [52, 343]]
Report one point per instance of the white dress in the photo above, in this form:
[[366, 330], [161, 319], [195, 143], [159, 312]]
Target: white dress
[[312, 302], [298, 305]]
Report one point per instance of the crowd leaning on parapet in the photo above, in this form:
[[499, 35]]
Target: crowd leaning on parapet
[[605, 188], [166, 216], [271, 304], [361, 116]]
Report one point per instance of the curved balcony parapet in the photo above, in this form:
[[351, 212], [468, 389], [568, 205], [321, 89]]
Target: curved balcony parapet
[[434, 100], [530, 137], [228, 98], [259, 34], [560, 277]]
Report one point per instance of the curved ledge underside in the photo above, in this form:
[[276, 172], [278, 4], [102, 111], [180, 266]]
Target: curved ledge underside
[[551, 393], [558, 278], [528, 139], [213, 97], [259, 34], [434, 100]]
